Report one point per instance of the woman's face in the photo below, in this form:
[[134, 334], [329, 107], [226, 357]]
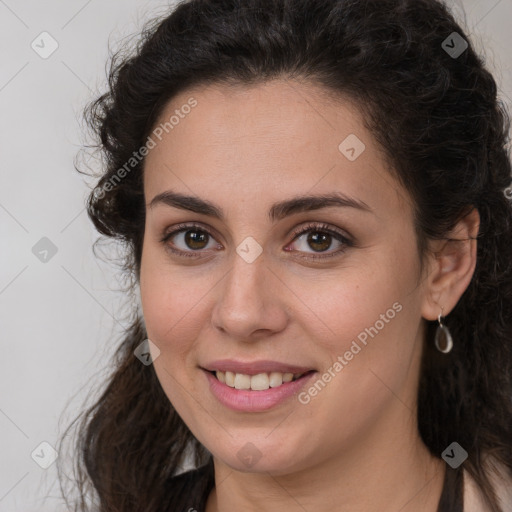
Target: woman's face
[[344, 298]]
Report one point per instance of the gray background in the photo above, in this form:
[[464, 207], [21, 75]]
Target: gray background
[[61, 318]]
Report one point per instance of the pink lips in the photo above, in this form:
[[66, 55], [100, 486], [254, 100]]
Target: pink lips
[[255, 401], [254, 367]]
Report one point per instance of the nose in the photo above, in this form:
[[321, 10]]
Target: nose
[[247, 306]]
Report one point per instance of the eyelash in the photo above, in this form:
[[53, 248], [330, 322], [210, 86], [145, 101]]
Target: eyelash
[[316, 227]]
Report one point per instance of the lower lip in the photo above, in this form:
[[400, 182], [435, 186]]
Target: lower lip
[[255, 401]]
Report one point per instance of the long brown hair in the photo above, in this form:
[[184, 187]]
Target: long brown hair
[[439, 121]]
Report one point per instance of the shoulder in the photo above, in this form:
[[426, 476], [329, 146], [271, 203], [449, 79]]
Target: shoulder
[[501, 479]]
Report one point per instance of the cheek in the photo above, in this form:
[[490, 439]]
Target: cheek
[[171, 303], [369, 318], [173, 316], [372, 321]]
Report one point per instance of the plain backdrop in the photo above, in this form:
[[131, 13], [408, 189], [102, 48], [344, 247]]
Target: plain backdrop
[[60, 309]]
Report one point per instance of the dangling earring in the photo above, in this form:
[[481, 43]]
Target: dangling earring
[[443, 339]]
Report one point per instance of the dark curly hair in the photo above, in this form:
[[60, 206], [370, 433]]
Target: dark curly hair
[[444, 132]]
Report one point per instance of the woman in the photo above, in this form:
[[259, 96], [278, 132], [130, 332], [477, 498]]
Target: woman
[[314, 198]]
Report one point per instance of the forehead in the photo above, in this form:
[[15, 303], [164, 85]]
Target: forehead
[[266, 139]]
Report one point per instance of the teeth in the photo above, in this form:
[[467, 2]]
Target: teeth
[[242, 381], [230, 379], [259, 382], [275, 379]]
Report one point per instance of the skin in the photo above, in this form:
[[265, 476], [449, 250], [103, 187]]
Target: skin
[[355, 446]]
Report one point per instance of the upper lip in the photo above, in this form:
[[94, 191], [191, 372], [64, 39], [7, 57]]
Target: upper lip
[[254, 367]]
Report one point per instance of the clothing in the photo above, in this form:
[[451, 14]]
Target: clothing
[[192, 489], [473, 500], [459, 494], [452, 499]]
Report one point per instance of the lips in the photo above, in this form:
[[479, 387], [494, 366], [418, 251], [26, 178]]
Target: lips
[[249, 400], [255, 367]]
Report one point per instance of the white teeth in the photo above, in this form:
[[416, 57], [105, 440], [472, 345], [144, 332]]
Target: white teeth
[[230, 379], [242, 381], [276, 379], [259, 382]]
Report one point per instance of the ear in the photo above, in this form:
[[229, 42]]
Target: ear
[[451, 265]]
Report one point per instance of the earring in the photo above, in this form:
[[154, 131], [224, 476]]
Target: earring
[[443, 339]]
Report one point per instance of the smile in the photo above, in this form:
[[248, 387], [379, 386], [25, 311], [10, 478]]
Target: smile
[[259, 382], [255, 393]]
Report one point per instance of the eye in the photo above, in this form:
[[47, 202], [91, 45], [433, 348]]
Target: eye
[[189, 240], [192, 238], [320, 238]]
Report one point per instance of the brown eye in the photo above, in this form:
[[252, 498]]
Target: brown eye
[[319, 241], [315, 238], [195, 239], [189, 239]]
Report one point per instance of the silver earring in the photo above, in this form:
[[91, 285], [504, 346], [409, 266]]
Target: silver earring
[[443, 339]]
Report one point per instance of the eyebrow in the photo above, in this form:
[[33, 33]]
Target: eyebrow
[[278, 211]]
